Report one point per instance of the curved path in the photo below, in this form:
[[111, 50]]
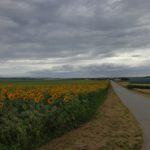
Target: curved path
[[139, 106]]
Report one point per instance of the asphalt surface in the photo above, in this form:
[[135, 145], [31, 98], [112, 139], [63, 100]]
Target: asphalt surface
[[139, 106]]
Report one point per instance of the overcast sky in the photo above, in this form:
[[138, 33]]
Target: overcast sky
[[74, 38]]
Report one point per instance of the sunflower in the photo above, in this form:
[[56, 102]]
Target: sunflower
[[50, 101]]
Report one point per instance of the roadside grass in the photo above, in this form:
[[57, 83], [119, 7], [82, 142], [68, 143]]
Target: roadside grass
[[112, 128], [145, 92], [143, 89]]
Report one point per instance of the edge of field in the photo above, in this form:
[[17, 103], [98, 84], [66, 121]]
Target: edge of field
[[144, 92], [113, 127]]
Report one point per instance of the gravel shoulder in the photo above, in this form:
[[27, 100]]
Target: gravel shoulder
[[113, 127]]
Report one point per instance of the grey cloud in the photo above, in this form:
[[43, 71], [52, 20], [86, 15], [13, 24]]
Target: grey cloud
[[45, 29], [104, 70]]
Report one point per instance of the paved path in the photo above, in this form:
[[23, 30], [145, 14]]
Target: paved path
[[139, 106]]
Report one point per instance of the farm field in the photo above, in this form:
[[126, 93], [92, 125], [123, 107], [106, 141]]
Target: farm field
[[123, 83], [145, 92], [143, 89], [38, 82], [140, 86], [36, 111]]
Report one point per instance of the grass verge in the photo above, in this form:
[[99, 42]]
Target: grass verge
[[145, 92]]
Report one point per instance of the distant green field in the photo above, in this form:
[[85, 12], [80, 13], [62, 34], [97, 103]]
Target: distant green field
[[139, 86], [43, 82]]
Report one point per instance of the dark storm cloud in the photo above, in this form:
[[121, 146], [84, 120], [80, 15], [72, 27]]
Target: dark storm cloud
[[73, 31], [104, 70]]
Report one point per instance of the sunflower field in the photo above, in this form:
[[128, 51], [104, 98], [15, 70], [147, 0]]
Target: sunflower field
[[32, 115]]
